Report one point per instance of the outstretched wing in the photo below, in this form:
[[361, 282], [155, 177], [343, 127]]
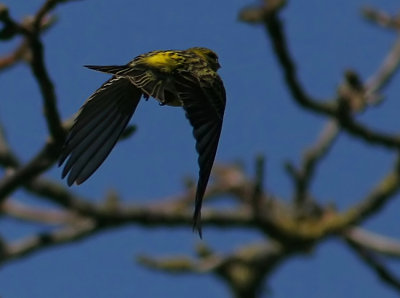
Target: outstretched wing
[[97, 128], [204, 102]]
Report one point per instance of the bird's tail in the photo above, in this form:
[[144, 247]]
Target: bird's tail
[[197, 217], [113, 69]]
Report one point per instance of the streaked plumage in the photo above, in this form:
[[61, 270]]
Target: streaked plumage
[[185, 78]]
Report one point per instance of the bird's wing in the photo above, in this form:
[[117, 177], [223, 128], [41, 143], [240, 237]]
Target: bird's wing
[[204, 103], [97, 128], [152, 81]]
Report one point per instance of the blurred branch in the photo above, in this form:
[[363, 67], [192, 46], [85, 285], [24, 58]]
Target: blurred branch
[[376, 265], [105, 216], [386, 71], [7, 158], [15, 56], [258, 190], [28, 245], [312, 156], [377, 198], [31, 30], [40, 72], [330, 222], [18, 175], [22, 51], [274, 219], [41, 162], [273, 25], [244, 270], [374, 242], [269, 17], [381, 18], [41, 14], [24, 212]]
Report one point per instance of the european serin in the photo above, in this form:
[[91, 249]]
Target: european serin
[[186, 78]]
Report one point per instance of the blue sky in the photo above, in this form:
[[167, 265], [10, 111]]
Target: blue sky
[[325, 38]]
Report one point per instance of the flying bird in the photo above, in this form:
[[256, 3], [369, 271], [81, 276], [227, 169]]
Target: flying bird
[[186, 78]]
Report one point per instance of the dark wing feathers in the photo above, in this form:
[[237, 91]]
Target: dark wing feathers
[[97, 151], [204, 103], [86, 126], [82, 140], [153, 82], [98, 127]]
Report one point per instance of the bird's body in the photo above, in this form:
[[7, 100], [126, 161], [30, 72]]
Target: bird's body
[[186, 78]]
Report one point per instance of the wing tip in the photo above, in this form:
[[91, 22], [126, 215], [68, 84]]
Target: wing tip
[[70, 183], [80, 180], [60, 162], [197, 223], [72, 180]]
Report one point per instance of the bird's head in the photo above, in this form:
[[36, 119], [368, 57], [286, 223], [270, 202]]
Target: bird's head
[[209, 56]]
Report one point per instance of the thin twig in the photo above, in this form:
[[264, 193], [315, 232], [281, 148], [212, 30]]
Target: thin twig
[[311, 157], [374, 242], [377, 266], [258, 191], [386, 71], [14, 57], [381, 18], [48, 216], [31, 244]]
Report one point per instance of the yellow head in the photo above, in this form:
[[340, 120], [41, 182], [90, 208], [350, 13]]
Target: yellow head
[[207, 55]]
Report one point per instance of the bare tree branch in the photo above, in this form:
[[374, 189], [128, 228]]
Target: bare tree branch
[[312, 156], [386, 71], [31, 31], [374, 242], [41, 162], [24, 212], [270, 18], [377, 266], [14, 57], [244, 270], [381, 18], [28, 245]]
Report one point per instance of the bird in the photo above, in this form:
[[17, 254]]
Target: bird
[[181, 78]]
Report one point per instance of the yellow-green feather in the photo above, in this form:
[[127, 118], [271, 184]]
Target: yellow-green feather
[[165, 61]]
